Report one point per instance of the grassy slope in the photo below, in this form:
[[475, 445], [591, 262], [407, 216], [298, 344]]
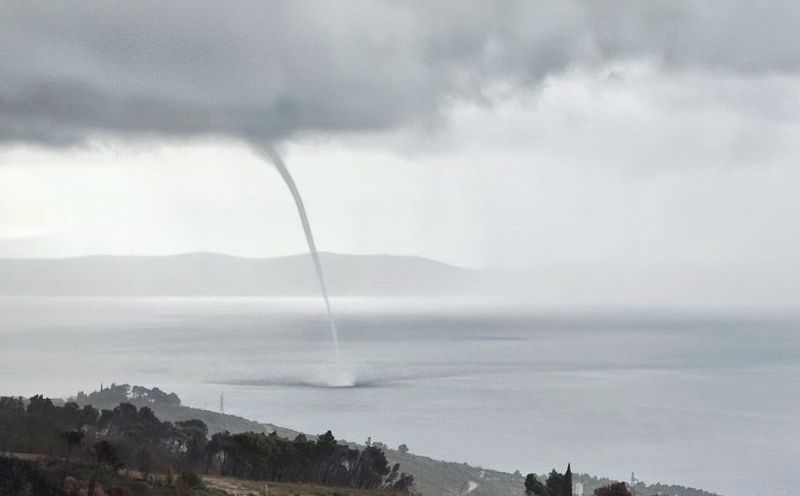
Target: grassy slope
[[238, 486]]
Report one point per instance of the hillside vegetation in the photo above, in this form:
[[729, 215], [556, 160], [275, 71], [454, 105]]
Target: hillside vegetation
[[431, 477], [92, 446]]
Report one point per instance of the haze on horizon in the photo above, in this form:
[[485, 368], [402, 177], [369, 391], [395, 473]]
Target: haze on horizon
[[638, 152]]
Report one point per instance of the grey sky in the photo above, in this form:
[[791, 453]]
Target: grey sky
[[267, 70], [638, 136]]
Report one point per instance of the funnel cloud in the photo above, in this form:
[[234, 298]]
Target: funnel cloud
[[272, 155]]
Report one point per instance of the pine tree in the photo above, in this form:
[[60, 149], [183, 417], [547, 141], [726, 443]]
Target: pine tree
[[566, 484]]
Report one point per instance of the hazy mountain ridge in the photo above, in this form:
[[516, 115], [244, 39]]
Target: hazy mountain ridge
[[213, 274], [210, 274]]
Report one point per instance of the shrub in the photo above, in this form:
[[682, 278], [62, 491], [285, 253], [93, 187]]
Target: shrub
[[190, 479]]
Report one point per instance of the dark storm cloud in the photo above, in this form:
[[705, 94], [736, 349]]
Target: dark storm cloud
[[263, 71]]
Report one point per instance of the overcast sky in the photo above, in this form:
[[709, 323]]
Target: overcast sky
[[638, 137]]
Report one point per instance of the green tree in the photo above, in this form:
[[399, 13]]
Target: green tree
[[105, 454], [615, 489], [533, 486], [144, 462], [566, 483], [326, 441], [72, 439], [193, 437], [558, 484]]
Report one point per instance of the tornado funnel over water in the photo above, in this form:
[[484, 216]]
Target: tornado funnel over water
[[277, 161]]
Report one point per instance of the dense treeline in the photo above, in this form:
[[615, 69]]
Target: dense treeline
[[125, 393], [321, 461], [558, 484], [136, 439]]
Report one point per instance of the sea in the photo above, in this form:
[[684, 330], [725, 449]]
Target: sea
[[702, 398]]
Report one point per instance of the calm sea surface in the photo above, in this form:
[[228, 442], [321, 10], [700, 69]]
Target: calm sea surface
[[706, 399]]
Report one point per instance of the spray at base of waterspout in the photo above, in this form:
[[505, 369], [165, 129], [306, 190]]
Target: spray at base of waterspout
[[335, 375]]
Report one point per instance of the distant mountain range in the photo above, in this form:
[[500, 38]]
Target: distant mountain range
[[210, 274]]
